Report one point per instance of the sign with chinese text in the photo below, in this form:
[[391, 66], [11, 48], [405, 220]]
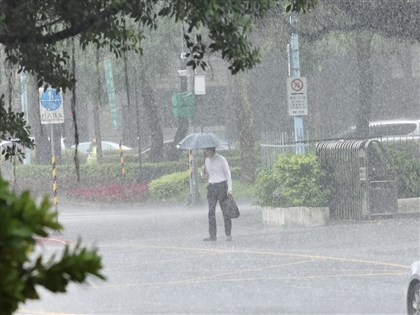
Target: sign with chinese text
[[297, 98], [51, 106]]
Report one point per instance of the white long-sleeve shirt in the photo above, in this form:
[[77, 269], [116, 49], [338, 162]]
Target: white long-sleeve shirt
[[217, 170]]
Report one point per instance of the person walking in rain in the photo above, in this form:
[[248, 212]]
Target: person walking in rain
[[219, 188]]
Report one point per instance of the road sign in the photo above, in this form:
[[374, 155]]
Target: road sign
[[297, 99], [199, 85], [51, 106]]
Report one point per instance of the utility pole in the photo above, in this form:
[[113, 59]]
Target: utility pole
[[294, 72]]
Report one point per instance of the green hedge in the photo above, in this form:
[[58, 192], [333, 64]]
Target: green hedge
[[39, 177], [175, 187], [293, 180], [108, 157], [405, 158], [171, 187]]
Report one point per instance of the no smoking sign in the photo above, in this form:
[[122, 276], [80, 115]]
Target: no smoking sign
[[297, 98]]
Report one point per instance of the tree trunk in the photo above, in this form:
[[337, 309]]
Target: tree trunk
[[39, 132], [128, 111], [155, 122], [183, 123], [244, 122], [408, 103], [363, 47], [97, 112]]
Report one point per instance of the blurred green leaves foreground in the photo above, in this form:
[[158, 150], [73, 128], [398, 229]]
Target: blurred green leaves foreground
[[13, 129], [21, 221]]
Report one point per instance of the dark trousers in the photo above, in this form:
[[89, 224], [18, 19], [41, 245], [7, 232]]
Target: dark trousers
[[217, 193]]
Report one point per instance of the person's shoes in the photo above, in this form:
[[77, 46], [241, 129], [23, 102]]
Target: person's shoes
[[228, 238], [210, 239]]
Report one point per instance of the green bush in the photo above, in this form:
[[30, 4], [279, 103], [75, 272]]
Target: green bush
[[241, 190], [293, 180], [405, 159], [172, 187], [175, 187]]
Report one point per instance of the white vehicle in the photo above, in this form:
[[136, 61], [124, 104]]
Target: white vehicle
[[83, 147], [389, 130], [413, 291], [166, 144]]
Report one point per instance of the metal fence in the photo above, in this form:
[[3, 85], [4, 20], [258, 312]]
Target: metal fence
[[360, 177], [274, 143]]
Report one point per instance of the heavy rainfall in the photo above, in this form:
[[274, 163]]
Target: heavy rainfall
[[320, 132]]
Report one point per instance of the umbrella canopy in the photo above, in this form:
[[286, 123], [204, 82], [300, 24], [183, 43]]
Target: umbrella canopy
[[201, 140]]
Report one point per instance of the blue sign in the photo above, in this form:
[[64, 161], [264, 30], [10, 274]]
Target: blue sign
[[51, 100]]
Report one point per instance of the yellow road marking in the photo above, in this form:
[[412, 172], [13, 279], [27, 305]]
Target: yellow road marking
[[257, 269], [268, 253], [205, 280], [308, 258], [198, 281], [24, 311], [216, 278], [154, 262]]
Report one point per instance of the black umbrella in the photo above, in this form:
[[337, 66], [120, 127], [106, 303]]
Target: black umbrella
[[201, 140]]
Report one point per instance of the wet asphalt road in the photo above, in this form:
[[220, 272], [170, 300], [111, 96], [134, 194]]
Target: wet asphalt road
[[156, 263]]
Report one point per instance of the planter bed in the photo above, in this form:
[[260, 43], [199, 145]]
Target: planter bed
[[301, 216], [110, 192]]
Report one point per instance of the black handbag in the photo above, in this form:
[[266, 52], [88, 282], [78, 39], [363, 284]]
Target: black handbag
[[231, 208]]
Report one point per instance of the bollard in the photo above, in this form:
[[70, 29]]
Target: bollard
[[54, 185], [123, 171]]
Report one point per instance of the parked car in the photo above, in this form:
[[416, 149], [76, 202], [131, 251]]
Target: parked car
[[413, 291], [166, 145], [83, 147], [388, 130], [6, 143], [9, 144]]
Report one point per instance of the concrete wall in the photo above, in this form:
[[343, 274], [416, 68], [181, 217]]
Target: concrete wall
[[314, 216], [409, 205]]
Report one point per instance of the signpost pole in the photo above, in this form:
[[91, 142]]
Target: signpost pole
[[52, 140], [54, 169], [51, 110], [295, 73], [194, 189], [187, 83]]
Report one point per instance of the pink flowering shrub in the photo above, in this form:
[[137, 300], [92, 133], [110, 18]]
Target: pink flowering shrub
[[116, 192]]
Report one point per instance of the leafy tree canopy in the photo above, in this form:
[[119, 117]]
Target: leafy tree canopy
[[34, 32], [392, 18], [14, 130]]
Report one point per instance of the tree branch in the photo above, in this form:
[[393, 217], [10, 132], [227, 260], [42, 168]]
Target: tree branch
[[51, 38]]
